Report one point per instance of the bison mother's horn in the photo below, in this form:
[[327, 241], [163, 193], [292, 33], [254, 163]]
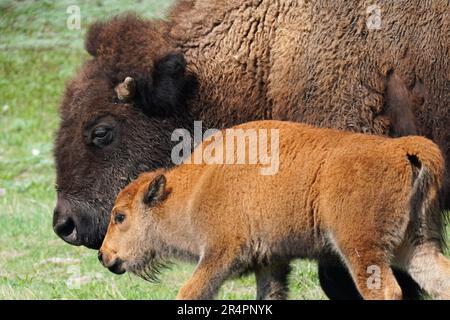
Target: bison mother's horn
[[126, 90]]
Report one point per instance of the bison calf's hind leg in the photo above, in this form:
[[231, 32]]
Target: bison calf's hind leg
[[337, 283], [374, 278], [211, 272], [272, 281]]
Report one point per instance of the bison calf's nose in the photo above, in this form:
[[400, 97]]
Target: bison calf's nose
[[116, 266], [100, 257]]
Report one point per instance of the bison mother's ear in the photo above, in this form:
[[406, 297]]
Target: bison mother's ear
[[94, 38], [155, 191], [170, 87]]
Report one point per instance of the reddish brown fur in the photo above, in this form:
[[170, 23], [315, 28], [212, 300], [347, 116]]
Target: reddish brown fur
[[372, 200]]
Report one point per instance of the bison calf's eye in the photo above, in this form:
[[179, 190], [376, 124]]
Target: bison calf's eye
[[119, 218]]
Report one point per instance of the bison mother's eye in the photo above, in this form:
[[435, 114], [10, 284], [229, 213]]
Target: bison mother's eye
[[119, 218], [102, 136], [101, 132]]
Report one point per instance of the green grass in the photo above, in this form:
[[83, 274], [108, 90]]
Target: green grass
[[38, 53]]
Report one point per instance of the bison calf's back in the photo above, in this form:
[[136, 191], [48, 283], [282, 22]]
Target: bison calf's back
[[374, 201]]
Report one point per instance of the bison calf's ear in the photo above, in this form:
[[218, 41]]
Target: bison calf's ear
[[155, 191]]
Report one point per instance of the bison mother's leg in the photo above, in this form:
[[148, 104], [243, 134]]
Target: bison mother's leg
[[336, 281], [338, 284], [272, 281], [411, 290]]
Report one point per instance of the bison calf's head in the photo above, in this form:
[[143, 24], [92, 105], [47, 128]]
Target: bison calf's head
[[131, 243], [117, 116]]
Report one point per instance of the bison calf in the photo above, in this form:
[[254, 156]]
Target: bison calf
[[372, 200]]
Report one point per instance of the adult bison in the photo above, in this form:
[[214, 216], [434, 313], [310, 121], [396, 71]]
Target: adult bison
[[319, 62]]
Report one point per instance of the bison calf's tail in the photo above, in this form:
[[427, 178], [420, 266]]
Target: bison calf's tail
[[425, 234]]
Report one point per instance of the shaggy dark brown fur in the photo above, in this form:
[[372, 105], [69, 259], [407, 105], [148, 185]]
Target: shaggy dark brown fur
[[312, 61]]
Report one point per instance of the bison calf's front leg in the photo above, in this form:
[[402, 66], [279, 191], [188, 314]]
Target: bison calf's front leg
[[211, 272]]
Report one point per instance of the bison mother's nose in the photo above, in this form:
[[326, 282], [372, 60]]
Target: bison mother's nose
[[65, 227]]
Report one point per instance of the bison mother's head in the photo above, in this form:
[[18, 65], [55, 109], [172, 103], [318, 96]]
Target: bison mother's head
[[117, 117]]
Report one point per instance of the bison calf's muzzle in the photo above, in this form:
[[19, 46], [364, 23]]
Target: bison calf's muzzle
[[114, 264]]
